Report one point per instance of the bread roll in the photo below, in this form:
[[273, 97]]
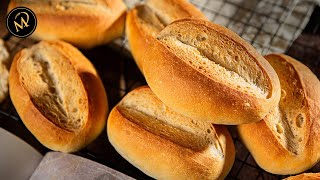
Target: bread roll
[[58, 95], [4, 74], [207, 72], [287, 141], [145, 21], [305, 176], [84, 23], [166, 145]]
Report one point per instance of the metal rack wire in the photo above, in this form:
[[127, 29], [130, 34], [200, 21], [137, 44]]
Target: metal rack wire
[[120, 74]]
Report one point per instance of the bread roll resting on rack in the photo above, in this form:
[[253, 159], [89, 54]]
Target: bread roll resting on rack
[[166, 145], [287, 140], [207, 72], [58, 95]]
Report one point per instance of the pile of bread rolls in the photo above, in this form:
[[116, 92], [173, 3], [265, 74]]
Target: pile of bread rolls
[[201, 76]]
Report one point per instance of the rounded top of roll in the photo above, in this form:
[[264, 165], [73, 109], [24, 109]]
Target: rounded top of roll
[[210, 73]]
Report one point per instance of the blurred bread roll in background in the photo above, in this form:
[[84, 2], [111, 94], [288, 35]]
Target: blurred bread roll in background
[[83, 23], [4, 74]]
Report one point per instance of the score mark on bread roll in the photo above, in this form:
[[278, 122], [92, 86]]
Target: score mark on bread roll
[[290, 124], [210, 73], [58, 95], [145, 21], [289, 135], [147, 111], [54, 87], [217, 57], [165, 144], [151, 21]]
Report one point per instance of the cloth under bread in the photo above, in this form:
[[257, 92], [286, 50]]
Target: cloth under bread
[[62, 166]]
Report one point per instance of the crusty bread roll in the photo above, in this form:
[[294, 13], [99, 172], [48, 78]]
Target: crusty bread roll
[[145, 21], [287, 141], [166, 145], [84, 23], [58, 95], [207, 72], [305, 176], [4, 74]]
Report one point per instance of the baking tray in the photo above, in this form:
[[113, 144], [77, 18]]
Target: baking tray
[[120, 75]]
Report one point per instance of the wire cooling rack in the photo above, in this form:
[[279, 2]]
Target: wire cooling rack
[[120, 74]]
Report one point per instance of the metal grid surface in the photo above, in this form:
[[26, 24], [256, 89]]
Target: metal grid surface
[[269, 25], [120, 75]]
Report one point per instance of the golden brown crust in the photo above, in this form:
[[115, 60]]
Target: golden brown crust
[[271, 153], [84, 24], [140, 36], [305, 176], [44, 130], [172, 10], [194, 94], [161, 158], [138, 39]]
